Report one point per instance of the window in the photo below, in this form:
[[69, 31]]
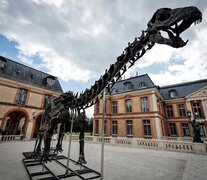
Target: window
[[197, 109], [147, 128], [50, 80], [105, 127], [203, 130], [169, 110], [128, 103], [144, 101], [22, 96], [172, 93], [46, 100], [114, 107], [128, 86], [185, 129], [142, 85], [129, 128], [181, 109], [97, 107], [2, 63], [114, 91], [114, 128], [173, 131], [96, 127]]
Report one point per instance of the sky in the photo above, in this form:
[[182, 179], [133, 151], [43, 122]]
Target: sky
[[77, 40]]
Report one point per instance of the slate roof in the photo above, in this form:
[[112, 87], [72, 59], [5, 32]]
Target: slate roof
[[24, 74], [182, 89], [136, 82]]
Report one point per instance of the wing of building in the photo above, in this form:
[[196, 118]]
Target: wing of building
[[137, 108], [22, 97]]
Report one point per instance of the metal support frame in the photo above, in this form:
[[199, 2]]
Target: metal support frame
[[102, 144], [73, 113], [46, 173], [79, 172]]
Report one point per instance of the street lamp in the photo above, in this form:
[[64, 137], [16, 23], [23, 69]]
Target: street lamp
[[196, 128]]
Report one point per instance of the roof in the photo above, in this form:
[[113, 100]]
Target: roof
[[132, 84], [18, 72], [182, 89]]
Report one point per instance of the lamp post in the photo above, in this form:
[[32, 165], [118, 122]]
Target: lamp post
[[196, 128]]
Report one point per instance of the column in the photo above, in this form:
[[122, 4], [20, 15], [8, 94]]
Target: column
[[29, 130], [158, 127]]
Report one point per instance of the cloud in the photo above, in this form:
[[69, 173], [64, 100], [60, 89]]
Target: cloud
[[81, 37], [78, 40]]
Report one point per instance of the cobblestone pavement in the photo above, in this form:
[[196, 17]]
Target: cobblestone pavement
[[120, 163]]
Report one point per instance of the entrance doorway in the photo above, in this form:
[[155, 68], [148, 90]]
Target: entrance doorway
[[15, 123]]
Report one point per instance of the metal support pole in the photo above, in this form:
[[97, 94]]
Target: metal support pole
[[70, 137], [102, 144]]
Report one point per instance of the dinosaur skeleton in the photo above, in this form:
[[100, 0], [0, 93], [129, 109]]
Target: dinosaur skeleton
[[172, 21]]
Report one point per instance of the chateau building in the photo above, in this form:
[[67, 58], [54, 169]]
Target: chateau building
[[23, 93], [137, 108]]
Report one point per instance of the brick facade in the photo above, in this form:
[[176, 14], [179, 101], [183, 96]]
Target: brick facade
[[155, 120], [22, 115]]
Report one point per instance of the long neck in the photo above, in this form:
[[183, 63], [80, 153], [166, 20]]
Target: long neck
[[130, 55]]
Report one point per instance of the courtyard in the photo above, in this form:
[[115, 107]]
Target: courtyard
[[121, 163]]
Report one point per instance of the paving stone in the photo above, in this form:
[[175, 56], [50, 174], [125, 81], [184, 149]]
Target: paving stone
[[120, 163]]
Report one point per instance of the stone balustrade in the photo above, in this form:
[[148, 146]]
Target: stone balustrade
[[106, 140], [147, 143], [123, 141], [171, 144], [181, 138], [4, 138], [179, 146]]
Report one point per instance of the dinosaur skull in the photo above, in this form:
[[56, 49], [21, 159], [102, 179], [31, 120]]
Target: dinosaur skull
[[174, 22]]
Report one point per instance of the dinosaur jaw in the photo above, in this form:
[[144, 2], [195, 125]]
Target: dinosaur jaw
[[185, 23], [175, 30], [174, 22]]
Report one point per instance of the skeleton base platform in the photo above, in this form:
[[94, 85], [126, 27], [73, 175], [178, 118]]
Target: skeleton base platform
[[56, 168]]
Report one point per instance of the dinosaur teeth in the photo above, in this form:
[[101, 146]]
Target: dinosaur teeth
[[197, 22], [179, 23]]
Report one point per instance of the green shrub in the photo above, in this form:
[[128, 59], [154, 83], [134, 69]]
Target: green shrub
[[1, 131]]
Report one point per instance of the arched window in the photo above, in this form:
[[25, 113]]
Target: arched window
[[142, 85], [128, 86]]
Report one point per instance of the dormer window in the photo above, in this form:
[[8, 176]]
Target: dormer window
[[50, 80], [172, 93], [2, 62], [142, 85], [114, 91], [128, 86]]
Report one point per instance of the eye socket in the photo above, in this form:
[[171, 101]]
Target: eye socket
[[163, 16]]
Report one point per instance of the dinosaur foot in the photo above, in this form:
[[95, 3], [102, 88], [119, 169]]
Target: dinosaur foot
[[81, 160]]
